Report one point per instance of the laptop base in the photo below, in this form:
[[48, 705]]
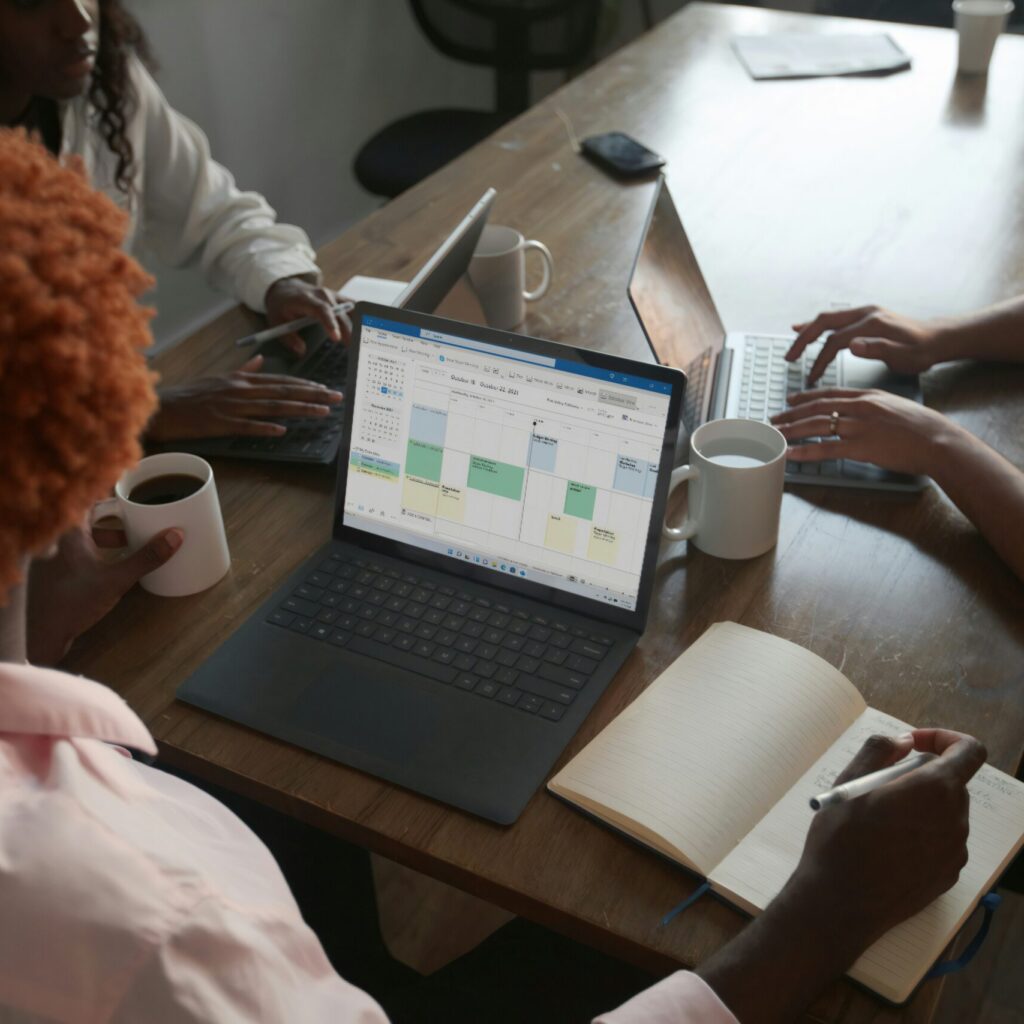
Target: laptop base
[[434, 737]]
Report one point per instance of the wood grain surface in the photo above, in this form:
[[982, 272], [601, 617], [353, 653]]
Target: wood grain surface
[[904, 190]]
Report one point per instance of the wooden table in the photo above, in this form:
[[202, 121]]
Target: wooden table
[[905, 190]]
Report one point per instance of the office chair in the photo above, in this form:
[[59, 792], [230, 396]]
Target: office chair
[[514, 37]]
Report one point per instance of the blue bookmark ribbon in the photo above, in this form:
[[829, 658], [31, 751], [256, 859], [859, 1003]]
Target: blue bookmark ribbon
[[989, 904], [688, 902]]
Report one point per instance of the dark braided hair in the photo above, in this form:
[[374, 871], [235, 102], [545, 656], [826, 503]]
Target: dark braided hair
[[110, 90]]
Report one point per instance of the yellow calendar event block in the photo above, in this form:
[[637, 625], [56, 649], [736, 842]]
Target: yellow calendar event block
[[451, 503], [603, 546], [560, 534], [420, 495]]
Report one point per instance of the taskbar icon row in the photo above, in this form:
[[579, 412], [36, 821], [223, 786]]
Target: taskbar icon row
[[487, 562]]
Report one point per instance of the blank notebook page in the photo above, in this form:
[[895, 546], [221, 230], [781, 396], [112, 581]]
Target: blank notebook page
[[715, 741]]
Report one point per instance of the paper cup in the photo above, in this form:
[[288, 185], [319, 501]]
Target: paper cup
[[978, 25]]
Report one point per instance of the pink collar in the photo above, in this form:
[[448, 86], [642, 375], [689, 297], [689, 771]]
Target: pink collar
[[45, 702]]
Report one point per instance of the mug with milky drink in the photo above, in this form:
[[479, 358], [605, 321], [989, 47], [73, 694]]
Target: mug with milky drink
[[736, 474], [163, 491], [497, 272]]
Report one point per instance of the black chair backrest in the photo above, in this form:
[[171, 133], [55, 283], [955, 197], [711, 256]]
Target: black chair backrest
[[511, 36]]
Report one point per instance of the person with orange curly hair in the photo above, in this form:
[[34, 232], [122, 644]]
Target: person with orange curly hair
[[64, 280], [127, 894], [71, 409], [72, 71]]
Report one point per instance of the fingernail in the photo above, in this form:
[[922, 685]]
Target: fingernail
[[175, 538], [279, 429], [334, 396], [905, 737], [321, 410]]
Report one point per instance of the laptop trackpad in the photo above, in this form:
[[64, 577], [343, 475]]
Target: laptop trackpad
[[368, 719]]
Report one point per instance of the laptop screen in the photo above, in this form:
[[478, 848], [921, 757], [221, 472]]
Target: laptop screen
[[526, 465], [674, 306]]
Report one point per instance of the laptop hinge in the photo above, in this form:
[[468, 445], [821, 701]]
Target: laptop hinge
[[720, 395]]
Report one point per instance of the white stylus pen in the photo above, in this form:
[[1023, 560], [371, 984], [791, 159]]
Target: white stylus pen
[[866, 783], [293, 325]]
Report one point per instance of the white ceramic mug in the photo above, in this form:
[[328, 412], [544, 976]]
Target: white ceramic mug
[[497, 272], [736, 475], [978, 26], [203, 557]]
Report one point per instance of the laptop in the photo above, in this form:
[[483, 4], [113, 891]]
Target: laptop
[[739, 375], [497, 519], [315, 441]]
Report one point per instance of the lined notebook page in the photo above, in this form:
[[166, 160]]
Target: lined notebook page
[[757, 869], [713, 743]]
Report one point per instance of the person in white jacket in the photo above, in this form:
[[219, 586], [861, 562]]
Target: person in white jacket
[[70, 70]]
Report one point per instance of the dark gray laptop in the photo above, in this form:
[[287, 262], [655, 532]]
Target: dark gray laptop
[[498, 513], [739, 375]]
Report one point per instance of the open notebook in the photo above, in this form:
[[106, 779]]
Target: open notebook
[[714, 766]]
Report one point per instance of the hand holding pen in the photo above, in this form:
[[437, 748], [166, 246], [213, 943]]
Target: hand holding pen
[[294, 303], [897, 846], [868, 864], [859, 778], [866, 783]]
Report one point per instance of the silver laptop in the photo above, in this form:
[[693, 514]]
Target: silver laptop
[[735, 374]]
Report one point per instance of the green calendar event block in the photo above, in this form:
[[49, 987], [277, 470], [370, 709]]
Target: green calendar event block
[[579, 500], [423, 460], [496, 477]]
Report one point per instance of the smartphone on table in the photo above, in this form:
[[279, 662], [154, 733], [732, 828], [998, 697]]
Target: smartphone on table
[[621, 155]]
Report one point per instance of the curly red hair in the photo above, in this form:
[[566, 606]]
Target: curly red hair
[[75, 392]]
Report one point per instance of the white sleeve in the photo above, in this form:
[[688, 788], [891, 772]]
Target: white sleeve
[[681, 998], [191, 208]]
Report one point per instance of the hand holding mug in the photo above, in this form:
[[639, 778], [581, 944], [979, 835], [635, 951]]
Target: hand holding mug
[[173, 490]]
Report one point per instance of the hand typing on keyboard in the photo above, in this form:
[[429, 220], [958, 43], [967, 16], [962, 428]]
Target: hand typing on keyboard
[[768, 379], [867, 426], [243, 403], [904, 345]]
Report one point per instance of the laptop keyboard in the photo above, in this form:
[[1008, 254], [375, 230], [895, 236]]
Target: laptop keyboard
[[696, 383], [534, 664], [766, 381]]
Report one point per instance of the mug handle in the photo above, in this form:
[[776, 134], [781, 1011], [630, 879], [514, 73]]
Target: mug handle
[[549, 269], [102, 509], [689, 526]]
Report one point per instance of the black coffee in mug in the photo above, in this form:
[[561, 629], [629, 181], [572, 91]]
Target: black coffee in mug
[[162, 490]]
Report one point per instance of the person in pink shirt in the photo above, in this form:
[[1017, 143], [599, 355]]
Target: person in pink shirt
[[129, 895]]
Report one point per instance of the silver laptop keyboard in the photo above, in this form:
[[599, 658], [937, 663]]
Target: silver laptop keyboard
[[766, 381]]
